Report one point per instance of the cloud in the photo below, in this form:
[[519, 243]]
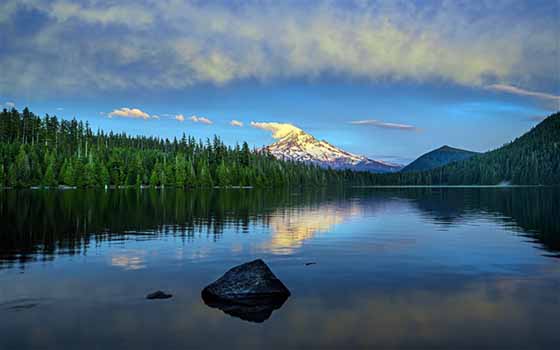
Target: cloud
[[10, 104], [385, 125], [236, 123], [180, 118], [519, 91], [279, 130], [202, 120], [186, 43], [123, 14], [129, 113], [536, 118]]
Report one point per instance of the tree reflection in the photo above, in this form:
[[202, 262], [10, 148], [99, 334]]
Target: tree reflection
[[37, 225]]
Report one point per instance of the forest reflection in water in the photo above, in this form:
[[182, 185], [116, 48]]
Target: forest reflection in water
[[42, 224], [395, 268]]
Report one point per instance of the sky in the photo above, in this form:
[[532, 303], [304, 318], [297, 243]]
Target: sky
[[390, 80]]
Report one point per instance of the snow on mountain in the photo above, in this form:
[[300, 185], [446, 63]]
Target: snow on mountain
[[295, 144]]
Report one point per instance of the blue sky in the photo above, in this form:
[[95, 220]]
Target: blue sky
[[386, 79]]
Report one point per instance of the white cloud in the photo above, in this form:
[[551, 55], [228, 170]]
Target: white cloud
[[180, 118], [385, 125], [202, 120], [236, 123], [129, 113], [519, 91], [279, 130], [10, 104]]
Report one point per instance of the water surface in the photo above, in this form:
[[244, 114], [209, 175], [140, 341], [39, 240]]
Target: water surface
[[394, 268]]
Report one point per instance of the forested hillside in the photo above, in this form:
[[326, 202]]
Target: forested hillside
[[437, 158], [50, 152], [532, 159]]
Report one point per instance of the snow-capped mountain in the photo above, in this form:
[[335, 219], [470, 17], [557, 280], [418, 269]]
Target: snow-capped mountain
[[298, 145]]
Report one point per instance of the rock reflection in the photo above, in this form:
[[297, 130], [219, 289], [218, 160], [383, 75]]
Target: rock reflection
[[253, 310]]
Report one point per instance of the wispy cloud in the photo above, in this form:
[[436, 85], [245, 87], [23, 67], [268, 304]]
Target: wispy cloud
[[202, 120], [129, 113], [519, 91], [10, 104], [278, 130], [536, 118], [385, 125], [236, 123], [180, 118]]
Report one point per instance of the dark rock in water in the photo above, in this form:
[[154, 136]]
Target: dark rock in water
[[250, 280], [249, 291], [310, 263], [159, 295]]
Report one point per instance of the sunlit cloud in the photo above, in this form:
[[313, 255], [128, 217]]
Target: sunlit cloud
[[10, 104], [384, 125], [519, 91], [220, 44], [236, 123], [278, 130], [129, 113], [180, 118], [203, 120]]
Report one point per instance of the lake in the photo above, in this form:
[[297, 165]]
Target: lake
[[366, 267]]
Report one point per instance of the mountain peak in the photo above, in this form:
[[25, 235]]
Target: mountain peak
[[438, 157], [295, 144]]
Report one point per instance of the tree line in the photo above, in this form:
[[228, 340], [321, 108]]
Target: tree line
[[50, 152]]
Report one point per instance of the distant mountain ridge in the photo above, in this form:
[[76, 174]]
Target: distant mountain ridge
[[300, 146], [531, 159], [438, 157]]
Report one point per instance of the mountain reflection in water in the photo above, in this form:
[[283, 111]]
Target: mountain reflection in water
[[41, 224], [456, 268]]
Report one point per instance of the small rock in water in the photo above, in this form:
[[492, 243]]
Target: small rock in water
[[310, 263], [159, 295]]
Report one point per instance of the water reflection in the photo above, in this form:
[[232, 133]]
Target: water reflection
[[38, 225], [396, 268], [255, 310], [290, 228]]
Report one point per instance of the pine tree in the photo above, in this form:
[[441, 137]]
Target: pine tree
[[2, 176], [222, 175], [23, 168], [67, 173], [180, 171], [50, 178], [103, 178]]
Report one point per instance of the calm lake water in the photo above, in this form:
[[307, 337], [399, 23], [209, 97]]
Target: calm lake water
[[395, 268]]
